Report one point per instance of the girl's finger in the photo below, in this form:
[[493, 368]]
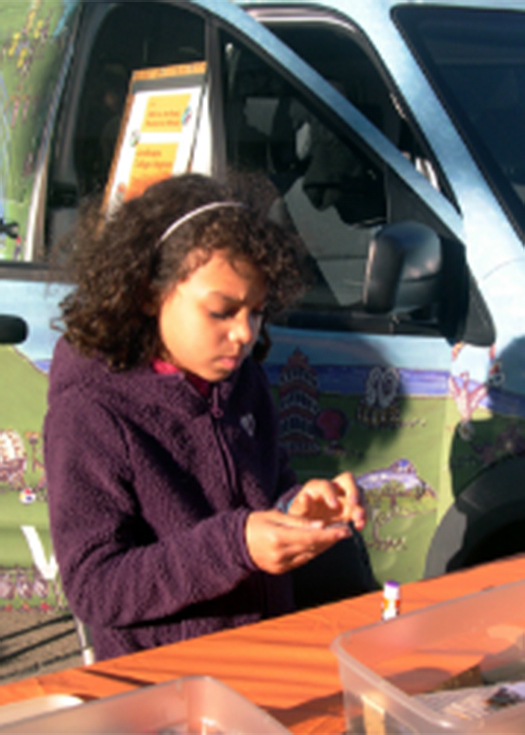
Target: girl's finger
[[345, 481], [359, 518], [303, 503], [324, 491], [301, 553], [312, 540], [296, 520], [354, 500]]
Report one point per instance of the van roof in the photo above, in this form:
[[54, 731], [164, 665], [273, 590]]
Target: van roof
[[344, 6]]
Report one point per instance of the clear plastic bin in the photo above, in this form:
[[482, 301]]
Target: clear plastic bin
[[448, 668], [35, 707], [197, 705]]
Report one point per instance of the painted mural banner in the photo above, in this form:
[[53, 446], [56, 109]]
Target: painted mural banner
[[411, 437], [28, 571], [384, 422], [34, 38]]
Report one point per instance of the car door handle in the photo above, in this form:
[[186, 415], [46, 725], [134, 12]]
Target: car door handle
[[13, 329]]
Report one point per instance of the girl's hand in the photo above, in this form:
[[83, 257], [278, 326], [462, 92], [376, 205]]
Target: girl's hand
[[278, 542], [331, 501]]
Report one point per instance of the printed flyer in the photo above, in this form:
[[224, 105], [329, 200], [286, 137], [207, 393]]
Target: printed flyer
[[158, 131]]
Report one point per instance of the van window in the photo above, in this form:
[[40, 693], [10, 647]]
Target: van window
[[115, 39], [336, 196], [342, 56], [476, 60]]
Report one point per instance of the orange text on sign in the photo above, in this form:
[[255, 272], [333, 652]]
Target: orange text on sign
[[164, 113], [151, 162]]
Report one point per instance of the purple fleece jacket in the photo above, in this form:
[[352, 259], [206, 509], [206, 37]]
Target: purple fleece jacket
[[150, 485]]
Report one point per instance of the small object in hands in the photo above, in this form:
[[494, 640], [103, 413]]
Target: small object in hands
[[391, 603]]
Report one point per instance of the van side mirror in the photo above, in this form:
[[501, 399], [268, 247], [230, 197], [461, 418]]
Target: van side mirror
[[403, 269], [13, 330]]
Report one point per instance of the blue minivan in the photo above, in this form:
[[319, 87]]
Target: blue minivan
[[393, 133]]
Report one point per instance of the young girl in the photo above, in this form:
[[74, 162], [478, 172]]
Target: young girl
[[173, 511]]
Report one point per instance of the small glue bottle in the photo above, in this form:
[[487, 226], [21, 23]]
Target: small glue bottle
[[391, 603]]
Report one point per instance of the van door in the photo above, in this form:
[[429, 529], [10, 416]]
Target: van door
[[356, 391]]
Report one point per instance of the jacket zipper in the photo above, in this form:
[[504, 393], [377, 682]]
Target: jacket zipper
[[217, 413]]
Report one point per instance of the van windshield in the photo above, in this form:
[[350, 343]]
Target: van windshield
[[476, 61]]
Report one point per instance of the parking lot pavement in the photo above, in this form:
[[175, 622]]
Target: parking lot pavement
[[36, 642]]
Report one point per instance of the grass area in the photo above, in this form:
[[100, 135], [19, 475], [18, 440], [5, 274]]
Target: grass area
[[22, 408]]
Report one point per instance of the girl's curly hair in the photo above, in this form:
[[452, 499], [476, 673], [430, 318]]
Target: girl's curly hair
[[122, 272]]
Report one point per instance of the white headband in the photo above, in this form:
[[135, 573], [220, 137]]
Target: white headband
[[190, 215]]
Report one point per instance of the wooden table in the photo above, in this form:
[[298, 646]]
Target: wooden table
[[283, 665]]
